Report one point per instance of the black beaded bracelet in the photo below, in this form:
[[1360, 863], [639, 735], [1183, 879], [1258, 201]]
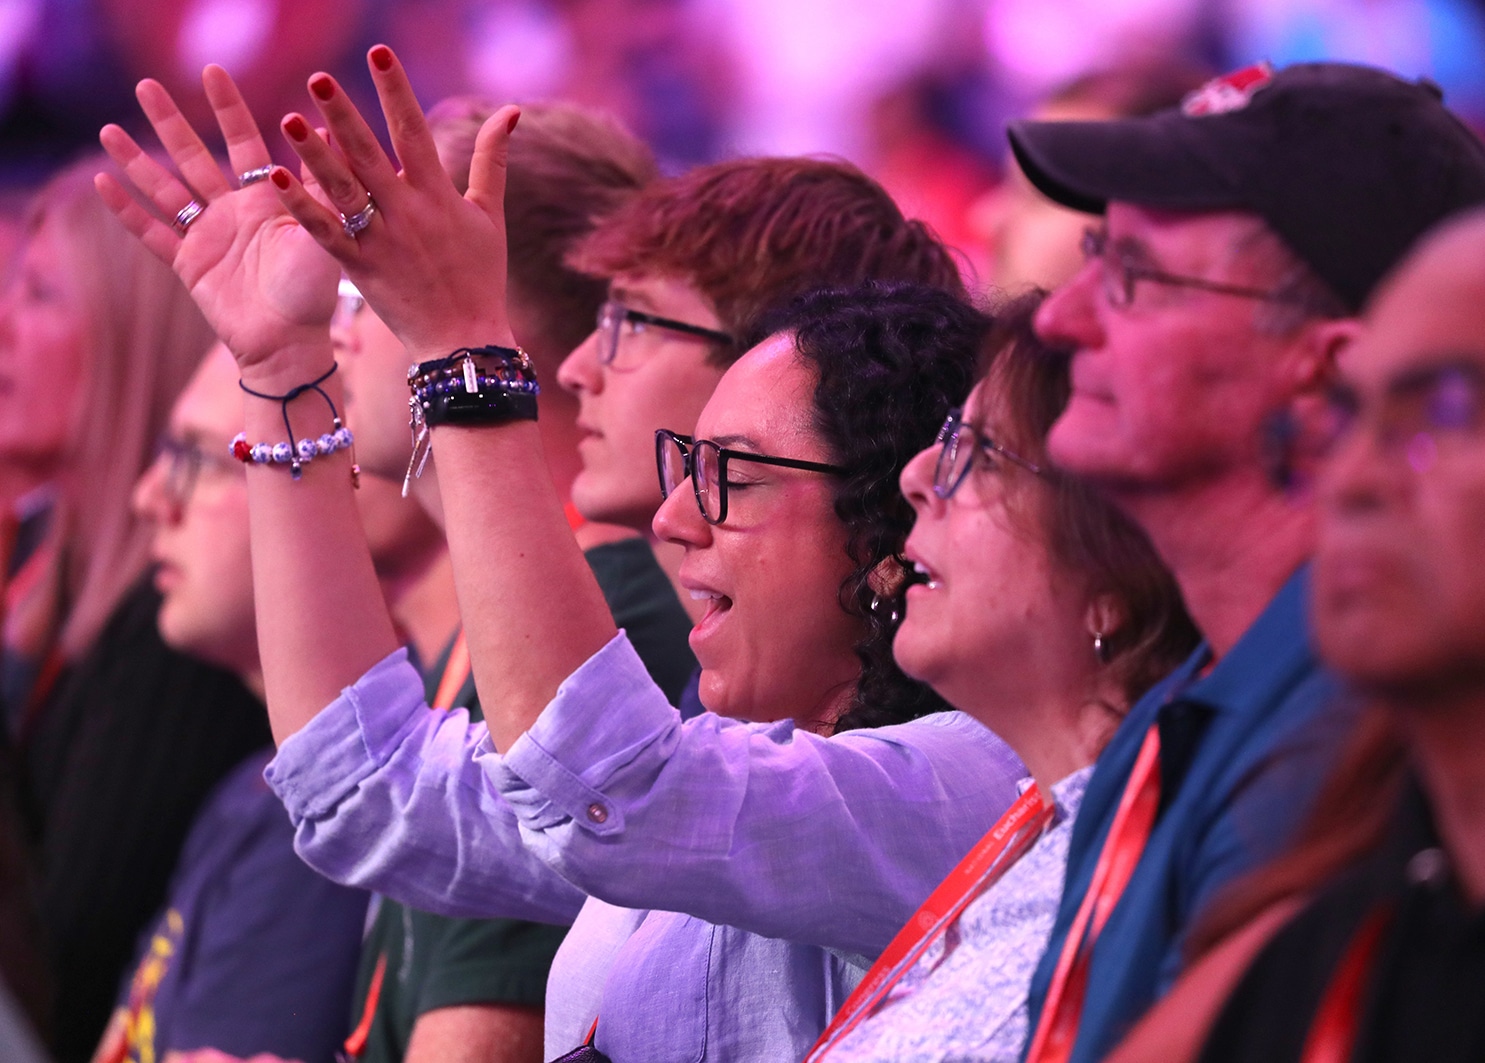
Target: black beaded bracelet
[[460, 389], [472, 386]]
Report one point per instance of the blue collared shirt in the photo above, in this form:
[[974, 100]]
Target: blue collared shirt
[[1250, 744]]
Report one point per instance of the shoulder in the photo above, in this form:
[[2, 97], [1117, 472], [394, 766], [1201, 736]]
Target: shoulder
[[942, 737]]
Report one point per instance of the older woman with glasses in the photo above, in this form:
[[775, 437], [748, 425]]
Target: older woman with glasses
[[726, 875]]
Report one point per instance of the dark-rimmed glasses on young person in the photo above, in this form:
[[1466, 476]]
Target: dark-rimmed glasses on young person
[[959, 443], [1118, 273], [678, 457], [614, 315], [184, 460]]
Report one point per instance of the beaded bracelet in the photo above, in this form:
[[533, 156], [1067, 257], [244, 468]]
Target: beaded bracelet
[[460, 390], [297, 455]]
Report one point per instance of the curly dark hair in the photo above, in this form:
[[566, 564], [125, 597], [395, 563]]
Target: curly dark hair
[[890, 361]]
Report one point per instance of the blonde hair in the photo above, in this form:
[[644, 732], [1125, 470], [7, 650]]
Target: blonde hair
[[144, 338]]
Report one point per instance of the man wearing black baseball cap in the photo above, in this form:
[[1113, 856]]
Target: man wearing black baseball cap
[[1240, 234]]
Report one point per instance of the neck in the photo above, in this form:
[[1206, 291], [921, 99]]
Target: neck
[[1446, 733], [560, 438], [1055, 708], [1229, 546], [1067, 744], [252, 678], [420, 597], [424, 491]]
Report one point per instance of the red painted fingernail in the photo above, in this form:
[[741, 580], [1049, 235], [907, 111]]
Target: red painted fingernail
[[280, 177], [322, 86], [512, 127], [381, 57], [296, 127]]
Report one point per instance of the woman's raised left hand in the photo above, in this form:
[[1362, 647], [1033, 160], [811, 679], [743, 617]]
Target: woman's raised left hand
[[429, 261]]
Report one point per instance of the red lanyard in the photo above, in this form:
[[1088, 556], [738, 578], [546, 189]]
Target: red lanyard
[[992, 856], [355, 1044], [1333, 1031], [455, 673], [1057, 1031]]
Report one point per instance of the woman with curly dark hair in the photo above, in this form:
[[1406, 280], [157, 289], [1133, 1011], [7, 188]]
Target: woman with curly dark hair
[[721, 871]]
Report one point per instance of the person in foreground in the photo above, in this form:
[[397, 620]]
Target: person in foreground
[[1370, 927], [471, 990], [1024, 575], [1240, 233], [669, 985]]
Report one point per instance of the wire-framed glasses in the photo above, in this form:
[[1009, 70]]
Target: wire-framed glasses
[[678, 457], [1118, 274], [959, 443], [614, 315]]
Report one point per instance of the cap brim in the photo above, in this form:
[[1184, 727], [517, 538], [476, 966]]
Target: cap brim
[[1149, 161]]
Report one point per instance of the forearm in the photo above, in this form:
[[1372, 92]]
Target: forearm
[[533, 613], [384, 794], [322, 621], [722, 820]]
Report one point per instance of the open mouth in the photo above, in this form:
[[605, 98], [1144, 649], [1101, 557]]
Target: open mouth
[[716, 603], [921, 575]]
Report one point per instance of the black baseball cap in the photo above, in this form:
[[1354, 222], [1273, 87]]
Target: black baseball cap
[[1348, 164]]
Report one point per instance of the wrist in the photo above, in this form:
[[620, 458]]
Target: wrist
[[290, 363]]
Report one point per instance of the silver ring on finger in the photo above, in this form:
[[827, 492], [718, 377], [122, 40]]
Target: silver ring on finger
[[252, 177], [355, 224], [187, 214]]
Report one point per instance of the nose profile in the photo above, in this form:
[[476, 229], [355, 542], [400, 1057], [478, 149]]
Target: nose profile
[[148, 500], [679, 520], [1068, 317], [580, 371], [916, 480]]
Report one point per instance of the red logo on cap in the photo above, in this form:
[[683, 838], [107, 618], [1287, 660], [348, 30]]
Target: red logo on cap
[[1230, 92]]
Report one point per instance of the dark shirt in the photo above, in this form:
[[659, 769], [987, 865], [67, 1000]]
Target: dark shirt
[[1244, 749], [121, 760], [254, 952], [431, 961], [1425, 985]]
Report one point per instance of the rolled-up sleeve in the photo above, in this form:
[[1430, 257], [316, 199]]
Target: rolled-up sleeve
[[825, 841], [386, 794]]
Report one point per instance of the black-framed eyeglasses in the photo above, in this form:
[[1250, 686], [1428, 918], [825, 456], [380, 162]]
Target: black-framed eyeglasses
[[184, 461], [958, 443], [1118, 274], [614, 315], [678, 457], [1417, 410]]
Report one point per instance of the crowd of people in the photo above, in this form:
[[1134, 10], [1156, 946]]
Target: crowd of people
[[848, 664]]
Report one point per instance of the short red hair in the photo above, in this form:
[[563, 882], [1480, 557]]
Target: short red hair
[[752, 234]]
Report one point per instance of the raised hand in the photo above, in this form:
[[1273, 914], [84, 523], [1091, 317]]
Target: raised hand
[[430, 262], [263, 283]]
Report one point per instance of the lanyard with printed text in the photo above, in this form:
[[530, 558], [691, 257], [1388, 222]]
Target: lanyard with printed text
[[992, 856]]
